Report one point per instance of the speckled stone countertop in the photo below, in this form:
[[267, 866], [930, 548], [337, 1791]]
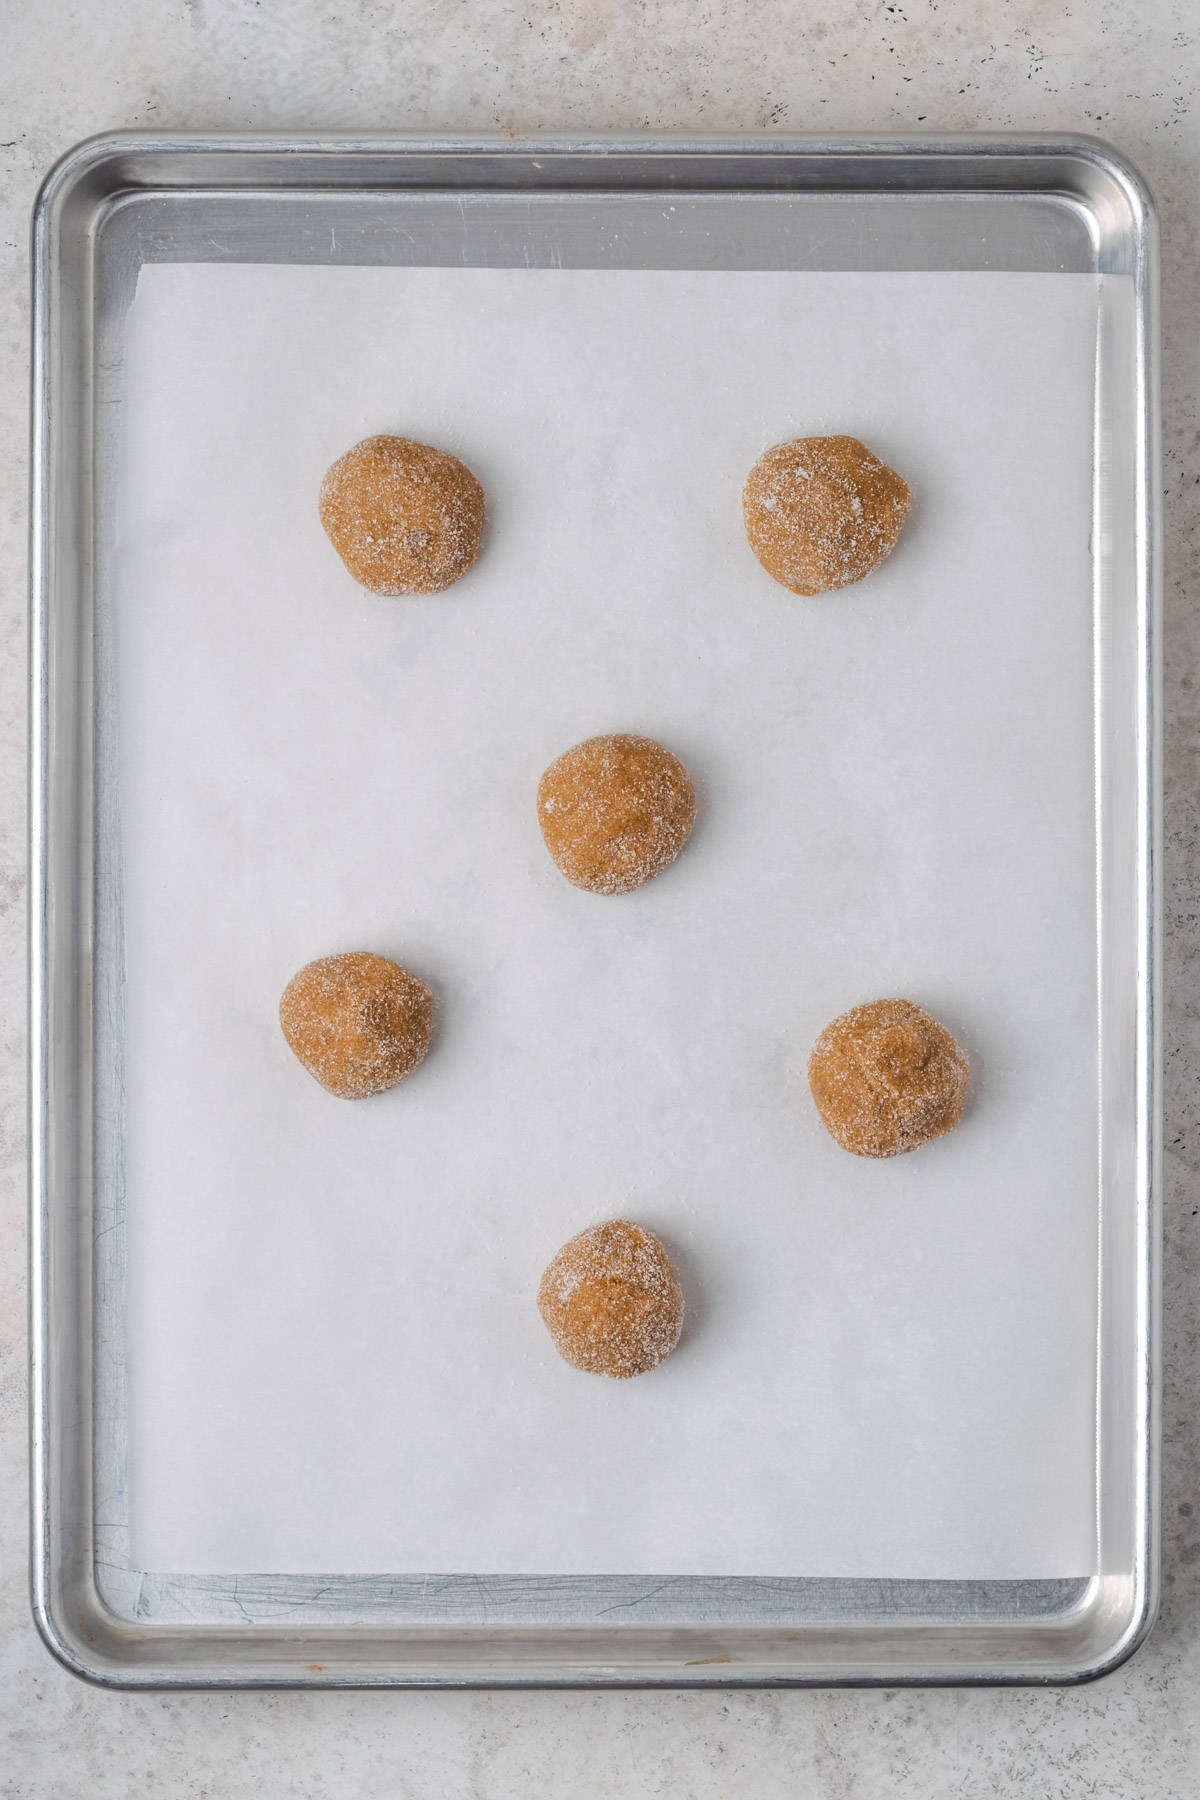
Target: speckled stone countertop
[[1130, 73]]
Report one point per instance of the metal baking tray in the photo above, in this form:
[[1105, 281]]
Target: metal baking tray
[[839, 203]]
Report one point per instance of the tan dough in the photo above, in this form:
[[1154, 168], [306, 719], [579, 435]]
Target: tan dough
[[887, 1078], [403, 517], [359, 1023], [615, 811], [611, 1300], [822, 512]]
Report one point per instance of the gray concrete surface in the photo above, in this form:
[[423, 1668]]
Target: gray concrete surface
[[1128, 72]]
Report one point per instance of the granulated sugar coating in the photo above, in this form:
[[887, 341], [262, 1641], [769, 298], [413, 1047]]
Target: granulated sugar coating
[[887, 1078], [359, 1023], [822, 512], [611, 1300], [403, 517], [615, 811]]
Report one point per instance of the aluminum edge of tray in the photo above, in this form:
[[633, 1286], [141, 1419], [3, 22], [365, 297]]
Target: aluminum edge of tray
[[90, 1640]]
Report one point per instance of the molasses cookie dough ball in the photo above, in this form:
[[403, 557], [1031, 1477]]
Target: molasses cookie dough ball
[[615, 811], [611, 1300], [887, 1078], [403, 517], [359, 1023], [822, 512]]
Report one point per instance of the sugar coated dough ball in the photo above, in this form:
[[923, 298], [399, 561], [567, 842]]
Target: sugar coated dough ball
[[403, 517], [611, 1300], [359, 1023], [822, 512], [614, 811], [887, 1078]]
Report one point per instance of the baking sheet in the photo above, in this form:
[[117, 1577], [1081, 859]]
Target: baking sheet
[[335, 1361]]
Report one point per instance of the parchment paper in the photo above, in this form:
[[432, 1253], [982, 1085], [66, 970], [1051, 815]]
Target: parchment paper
[[335, 1358]]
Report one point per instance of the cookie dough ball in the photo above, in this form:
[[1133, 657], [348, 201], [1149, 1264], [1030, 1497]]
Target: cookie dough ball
[[358, 1023], [614, 811], [822, 512], [403, 517], [887, 1078], [611, 1300]]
